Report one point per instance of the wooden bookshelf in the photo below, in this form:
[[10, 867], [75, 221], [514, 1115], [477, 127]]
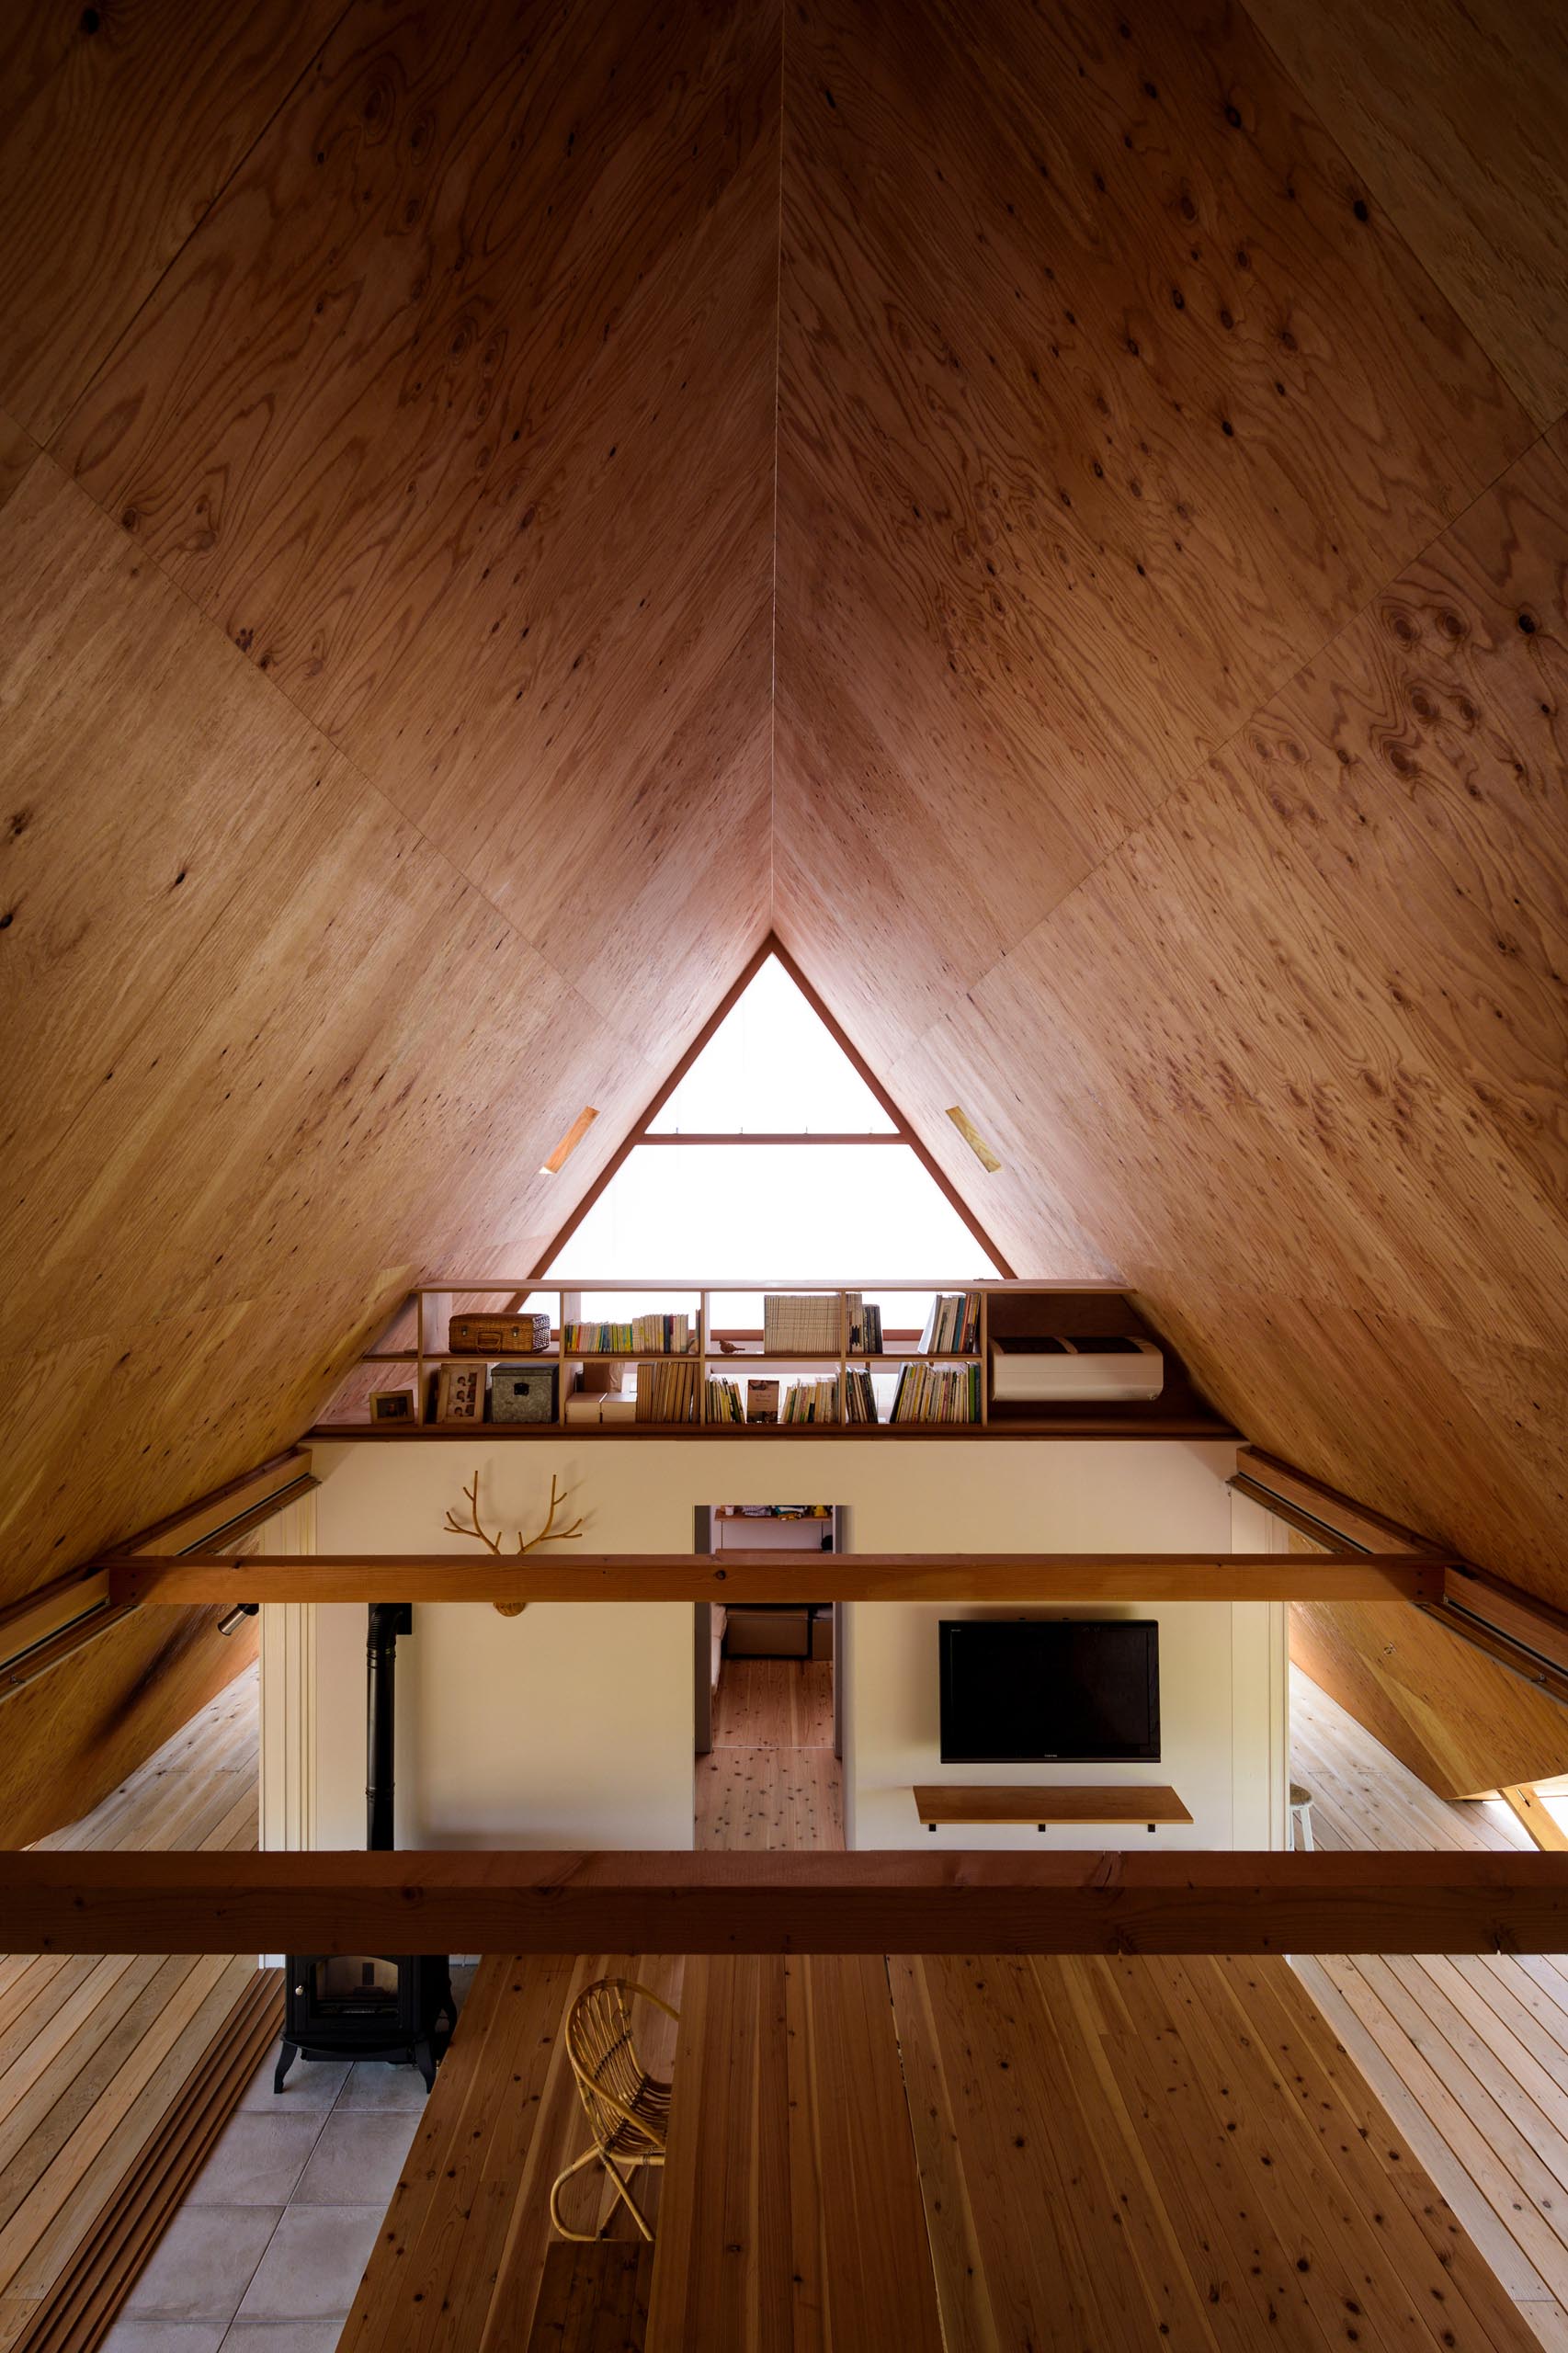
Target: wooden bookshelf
[[414, 1343]]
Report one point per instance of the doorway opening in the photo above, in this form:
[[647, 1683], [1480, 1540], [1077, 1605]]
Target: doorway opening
[[769, 1718]]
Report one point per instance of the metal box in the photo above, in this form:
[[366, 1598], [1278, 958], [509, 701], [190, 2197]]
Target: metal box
[[522, 1392]]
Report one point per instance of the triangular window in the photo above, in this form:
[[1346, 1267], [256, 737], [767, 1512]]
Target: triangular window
[[802, 1173]]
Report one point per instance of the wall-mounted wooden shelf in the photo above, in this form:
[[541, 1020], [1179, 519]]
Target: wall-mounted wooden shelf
[[939, 1807], [414, 1346]]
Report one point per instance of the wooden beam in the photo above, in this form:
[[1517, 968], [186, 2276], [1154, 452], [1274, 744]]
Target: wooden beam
[[736, 1577], [124, 1902]]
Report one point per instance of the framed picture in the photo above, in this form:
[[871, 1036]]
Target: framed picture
[[459, 1393], [393, 1405]]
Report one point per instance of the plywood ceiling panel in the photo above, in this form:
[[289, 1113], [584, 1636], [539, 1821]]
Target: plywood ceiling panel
[[1452, 111], [385, 647], [1083, 444], [502, 522], [1043, 505], [1190, 804], [118, 128]]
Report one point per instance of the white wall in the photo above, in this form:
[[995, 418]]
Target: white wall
[[1222, 1665], [572, 1724]]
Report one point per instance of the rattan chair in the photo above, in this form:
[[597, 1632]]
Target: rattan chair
[[628, 2110]]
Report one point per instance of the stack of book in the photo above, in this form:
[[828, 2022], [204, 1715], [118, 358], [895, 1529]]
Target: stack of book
[[723, 1401], [925, 1394], [952, 1328], [803, 1324], [866, 1333], [860, 1397], [667, 1392], [811, 1401], [660, 1336]]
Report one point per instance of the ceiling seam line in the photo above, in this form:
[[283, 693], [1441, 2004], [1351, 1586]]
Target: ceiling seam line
[[1282, 686], [778, 372], [211, 205]]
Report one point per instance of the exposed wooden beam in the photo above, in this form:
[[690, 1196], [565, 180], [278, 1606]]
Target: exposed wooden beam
[[770, 1576], [1196, 1902]]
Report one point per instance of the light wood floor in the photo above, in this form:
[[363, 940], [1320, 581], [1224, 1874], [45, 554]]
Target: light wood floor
[[1074, 2156], [774, 1703], [94, 2052], [771, 1780], [984, 2155], [1468, 2057]]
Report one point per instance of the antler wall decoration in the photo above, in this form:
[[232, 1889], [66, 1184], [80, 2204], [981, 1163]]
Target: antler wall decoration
[[476, 1529]]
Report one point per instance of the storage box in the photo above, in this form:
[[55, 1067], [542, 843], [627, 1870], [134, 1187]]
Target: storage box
[[522, 1392], [1111, 1371], [499, 1336], [600, 1407]]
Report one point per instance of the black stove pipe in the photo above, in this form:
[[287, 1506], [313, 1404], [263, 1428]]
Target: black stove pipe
[[386, 1620]]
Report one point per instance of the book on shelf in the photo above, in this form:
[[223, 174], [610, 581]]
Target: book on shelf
[[865, 1331], [859, 1395], [723, 1403], [667, 1392], [811, 1401], [804, 1324], [645, 1336], [928, 1393], [762, 1403], [952, 1328]]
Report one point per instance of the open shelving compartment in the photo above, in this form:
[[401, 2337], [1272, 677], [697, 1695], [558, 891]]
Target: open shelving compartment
[[727, 1340]]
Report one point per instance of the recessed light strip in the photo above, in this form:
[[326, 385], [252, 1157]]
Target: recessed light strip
[[569, 1142], [974, 1139]]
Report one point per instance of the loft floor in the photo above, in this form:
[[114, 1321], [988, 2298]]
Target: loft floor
[[1469, 2054], [96, 2051]]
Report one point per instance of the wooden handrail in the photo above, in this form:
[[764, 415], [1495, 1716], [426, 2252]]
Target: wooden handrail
[[739, 1577], [907, 1902]]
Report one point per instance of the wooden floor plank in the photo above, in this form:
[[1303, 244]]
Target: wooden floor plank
[[791, 2213], [96, 2051], [774, 1703], [769, 1800], [1468, 2053]]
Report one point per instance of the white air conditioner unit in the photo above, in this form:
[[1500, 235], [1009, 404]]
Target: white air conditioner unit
[[1109, 1371]]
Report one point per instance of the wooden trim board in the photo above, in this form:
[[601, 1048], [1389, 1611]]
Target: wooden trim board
[[122, 1902], [739, 1578]]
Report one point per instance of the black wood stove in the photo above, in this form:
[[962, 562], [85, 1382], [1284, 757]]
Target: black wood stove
[[372, 2006], [367, 2005]]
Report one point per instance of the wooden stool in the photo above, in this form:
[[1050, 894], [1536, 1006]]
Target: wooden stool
[[1301, 1816], [628, 2110]]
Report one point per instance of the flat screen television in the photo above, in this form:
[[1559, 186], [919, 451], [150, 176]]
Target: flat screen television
[[1039, 1690]]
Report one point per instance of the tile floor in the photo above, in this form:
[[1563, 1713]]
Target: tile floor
[[266, 2253]]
